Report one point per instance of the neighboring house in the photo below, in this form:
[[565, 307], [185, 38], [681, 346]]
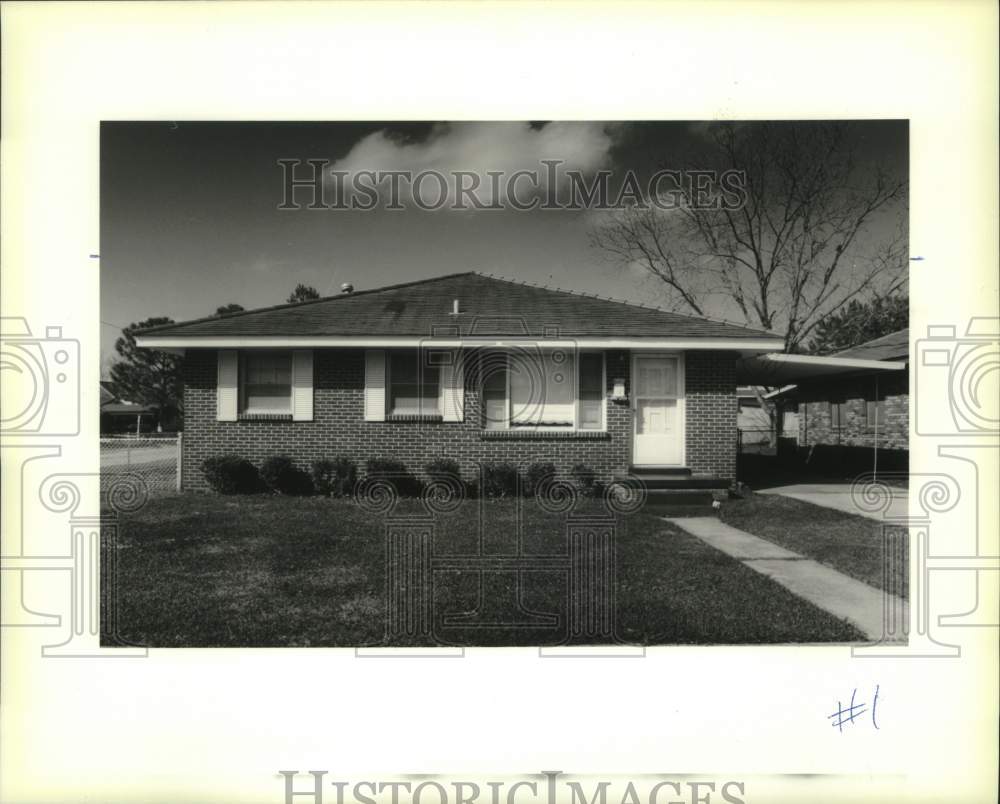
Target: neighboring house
[[753, 420], [862, 409], [119, 416], [465, 366]]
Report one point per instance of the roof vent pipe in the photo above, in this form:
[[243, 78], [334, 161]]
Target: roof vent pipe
[[454, 307], [347, 288]]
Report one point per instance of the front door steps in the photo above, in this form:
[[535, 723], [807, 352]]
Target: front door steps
[[672, 487]]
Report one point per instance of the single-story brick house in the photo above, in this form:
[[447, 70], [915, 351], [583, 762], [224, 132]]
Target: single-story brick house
[[465, 366], [119, 415]]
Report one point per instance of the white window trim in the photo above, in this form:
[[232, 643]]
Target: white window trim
[[604, 392], [241, 377], [576, 401]]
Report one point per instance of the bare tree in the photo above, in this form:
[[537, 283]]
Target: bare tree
[[796, 250]]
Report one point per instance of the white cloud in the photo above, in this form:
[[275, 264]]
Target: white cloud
[[481, 148]]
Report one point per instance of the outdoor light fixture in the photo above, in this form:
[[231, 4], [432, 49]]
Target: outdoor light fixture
[[618, 388]]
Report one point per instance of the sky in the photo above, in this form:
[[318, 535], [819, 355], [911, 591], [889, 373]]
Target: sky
[[190, 216]]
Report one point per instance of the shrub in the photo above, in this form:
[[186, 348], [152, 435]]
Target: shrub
[[585, 479], [445, 480], [335, 478], [231, 474], [282, 476], [538, 473], [499, 480], [443, 467], [395, 472]]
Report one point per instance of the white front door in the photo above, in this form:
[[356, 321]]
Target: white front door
[[658, 401]]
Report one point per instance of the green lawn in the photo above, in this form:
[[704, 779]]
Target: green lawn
[[847, 543], [200, 570]]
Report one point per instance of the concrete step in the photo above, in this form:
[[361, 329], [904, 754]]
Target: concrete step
[[638, 471], [668, 497], [677, 482]]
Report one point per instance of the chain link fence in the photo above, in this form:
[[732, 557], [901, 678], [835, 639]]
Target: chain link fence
[[156, 459]]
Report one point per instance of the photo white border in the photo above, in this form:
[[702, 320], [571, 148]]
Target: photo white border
[[218, 724]]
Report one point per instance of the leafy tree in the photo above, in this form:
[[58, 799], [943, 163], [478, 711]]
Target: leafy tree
[[147, 376], [303, 293], [229, 308], [861, 322], [793, 249]]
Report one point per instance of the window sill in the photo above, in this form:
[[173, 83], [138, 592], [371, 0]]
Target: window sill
[[264, 417], [544, 435], [414, 417]]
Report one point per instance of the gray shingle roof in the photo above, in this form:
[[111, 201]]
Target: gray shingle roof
[[894, 346], [489, 306]]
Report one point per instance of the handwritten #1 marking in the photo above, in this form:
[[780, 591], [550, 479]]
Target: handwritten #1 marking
[[853, 712]]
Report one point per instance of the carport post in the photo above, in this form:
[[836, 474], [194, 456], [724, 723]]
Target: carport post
[[875, 439], [180, 451]]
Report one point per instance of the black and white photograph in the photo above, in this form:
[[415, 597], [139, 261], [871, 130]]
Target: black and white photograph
[[476, 402], [504, 383]]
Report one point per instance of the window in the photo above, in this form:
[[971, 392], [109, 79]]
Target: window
[[836, 415], [875, 413], [553, 389], [542, 389], [414, 387], [266, 383]]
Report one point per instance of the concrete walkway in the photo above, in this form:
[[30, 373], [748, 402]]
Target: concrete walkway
[[832, 591], [838, 496]]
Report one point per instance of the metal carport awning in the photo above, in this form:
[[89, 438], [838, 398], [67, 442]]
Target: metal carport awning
[[779, 369]]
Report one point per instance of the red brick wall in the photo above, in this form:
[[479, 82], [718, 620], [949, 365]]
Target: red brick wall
[[815, 426], [338, 426]]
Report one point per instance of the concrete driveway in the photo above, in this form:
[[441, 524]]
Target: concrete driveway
[[838, 496]]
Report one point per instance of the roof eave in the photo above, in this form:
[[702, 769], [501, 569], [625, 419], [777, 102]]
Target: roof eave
[[744, 345]]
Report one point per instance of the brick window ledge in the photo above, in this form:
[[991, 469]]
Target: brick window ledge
[[264, 417], [544, 435], [414, 417]]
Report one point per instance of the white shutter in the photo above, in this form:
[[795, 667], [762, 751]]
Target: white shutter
[[302, 385], [453, 389], [375, 385], [227, 388]]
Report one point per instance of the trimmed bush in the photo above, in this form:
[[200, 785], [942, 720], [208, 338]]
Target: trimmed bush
[[443, 468], [395, 472], [231, 474], [335, 478], [499, 479], [538, 473], [282, 476], [585, 479], [445, 479]]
